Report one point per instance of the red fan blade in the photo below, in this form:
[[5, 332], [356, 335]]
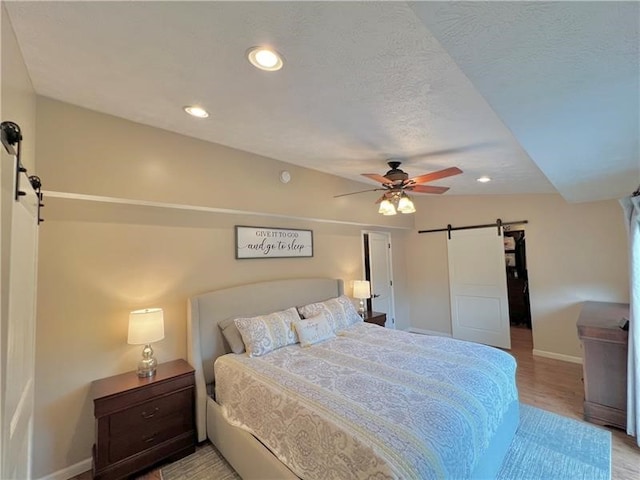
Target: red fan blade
[[377, 178], [427, 189], [430, 177]]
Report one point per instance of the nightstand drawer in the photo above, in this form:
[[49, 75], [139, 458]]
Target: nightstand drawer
[[150, 413], [113, 404], [135, 441]]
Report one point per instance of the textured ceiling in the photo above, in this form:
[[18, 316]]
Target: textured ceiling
[[509, 90]]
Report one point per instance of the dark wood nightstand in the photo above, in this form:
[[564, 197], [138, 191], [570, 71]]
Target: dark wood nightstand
[[375, 317], [141, 421]]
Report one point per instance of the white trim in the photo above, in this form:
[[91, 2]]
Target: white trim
[[422, 331], [557, 356], [69, 472], [199, 208]]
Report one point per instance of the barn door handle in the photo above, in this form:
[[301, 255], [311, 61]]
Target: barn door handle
[[375, 295]]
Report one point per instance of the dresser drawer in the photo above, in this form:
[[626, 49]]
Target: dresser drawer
[[154, 433], [150, 413]]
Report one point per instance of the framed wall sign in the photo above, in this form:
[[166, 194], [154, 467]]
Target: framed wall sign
[[269, 242]]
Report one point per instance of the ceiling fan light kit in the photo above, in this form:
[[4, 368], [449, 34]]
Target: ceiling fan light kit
[[398, 202], [395, 183]]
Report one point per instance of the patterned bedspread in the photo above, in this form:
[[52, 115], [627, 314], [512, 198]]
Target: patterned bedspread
[[371, 403]]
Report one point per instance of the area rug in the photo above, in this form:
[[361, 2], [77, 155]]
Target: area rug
[[552, 447], [546, 447]]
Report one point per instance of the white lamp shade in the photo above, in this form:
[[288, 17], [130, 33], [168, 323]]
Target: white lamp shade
[[405, 205], [361, 289], [146, 326], [387, 208]]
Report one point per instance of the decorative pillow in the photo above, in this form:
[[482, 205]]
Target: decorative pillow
[[313, 330], [232, 335], [266, 333], [339, 311]]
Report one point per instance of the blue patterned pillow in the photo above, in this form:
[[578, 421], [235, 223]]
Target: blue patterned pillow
[[265, 333]]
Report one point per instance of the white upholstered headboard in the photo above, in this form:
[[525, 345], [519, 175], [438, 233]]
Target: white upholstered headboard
[[205, 311]]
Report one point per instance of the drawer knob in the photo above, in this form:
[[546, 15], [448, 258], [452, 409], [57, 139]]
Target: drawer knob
[[150, 414], [149, 438]]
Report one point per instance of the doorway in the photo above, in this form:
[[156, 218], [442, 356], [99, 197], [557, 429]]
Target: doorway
[[377, 266], [517, 278]]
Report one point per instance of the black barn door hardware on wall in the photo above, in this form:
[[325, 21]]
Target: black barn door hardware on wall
[[499, 224], [11, 138], [37, 186]]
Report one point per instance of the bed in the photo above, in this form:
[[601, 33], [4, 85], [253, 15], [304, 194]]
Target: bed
[[325, 422]]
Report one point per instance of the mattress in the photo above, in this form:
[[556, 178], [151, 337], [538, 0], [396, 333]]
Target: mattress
[[372, 403]]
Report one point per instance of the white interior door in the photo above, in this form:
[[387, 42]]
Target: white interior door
[[18, 357], [380, 274], [478, 287]]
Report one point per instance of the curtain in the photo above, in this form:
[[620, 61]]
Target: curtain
[[631, 206]]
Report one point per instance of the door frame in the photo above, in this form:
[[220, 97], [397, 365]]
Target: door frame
[[366, 273]]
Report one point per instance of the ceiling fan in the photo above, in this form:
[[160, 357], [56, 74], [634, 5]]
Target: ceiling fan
[[395, 183]]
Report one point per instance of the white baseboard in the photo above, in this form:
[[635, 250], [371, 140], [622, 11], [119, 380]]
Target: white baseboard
[[69, 472], [428, 332], [557, 356]]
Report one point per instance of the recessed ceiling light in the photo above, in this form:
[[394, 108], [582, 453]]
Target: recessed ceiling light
[[483, 179], [196, 111], [265, 58]]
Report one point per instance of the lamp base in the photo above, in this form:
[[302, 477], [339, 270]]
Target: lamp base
[[361, 309], [148, 364]]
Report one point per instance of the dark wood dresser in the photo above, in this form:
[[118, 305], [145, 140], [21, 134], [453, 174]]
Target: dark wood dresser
[[141, 421], [375, 317], [604, 363]]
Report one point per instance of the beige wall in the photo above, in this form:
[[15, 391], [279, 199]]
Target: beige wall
[[99, 261], [575, 252]]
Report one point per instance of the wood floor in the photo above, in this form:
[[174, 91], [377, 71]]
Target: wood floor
[[552, 385]]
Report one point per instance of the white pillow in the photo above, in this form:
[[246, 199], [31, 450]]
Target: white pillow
[[313, 330], [339, 311], [265, 333]]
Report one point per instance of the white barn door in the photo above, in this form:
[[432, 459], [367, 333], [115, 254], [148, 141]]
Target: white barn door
[[18, 330], [478, 287]]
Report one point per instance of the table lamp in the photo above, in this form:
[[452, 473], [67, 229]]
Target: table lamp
[[145, 327], [361, 290]]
